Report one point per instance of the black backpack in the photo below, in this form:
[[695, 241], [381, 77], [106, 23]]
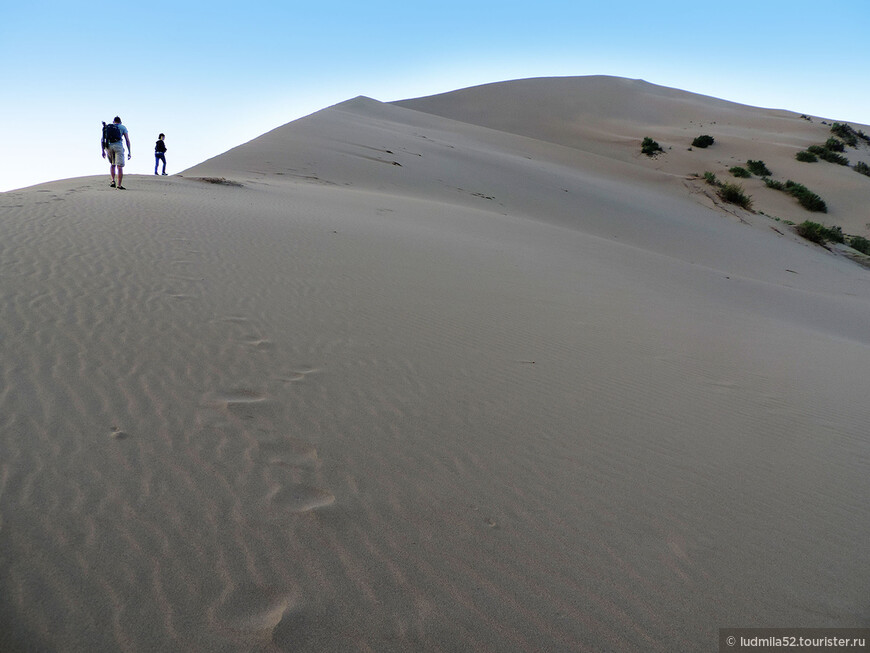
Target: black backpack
[[111, 133]]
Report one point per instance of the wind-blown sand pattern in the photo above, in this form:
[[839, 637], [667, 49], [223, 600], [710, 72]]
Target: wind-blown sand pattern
[[456, 373]]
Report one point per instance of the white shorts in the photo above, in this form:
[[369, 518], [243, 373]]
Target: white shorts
[[115, 153]]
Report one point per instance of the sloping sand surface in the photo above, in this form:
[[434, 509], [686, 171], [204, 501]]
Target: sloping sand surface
[[439, 375]]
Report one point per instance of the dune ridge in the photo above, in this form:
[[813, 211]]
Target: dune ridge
[[443, 374]]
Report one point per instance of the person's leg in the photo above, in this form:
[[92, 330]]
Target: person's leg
[[110, 155], [163, 158], [119, 161], [156, 162]]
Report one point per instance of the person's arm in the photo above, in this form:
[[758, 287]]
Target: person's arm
[[129, 149]]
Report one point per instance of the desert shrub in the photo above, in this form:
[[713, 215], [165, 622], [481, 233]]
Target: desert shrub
[[710, 178], [833, 157], [737, 171], [650, 147], [705, 140], [758, 168], [835, 145], [806, 156], [828, 155], [819, 233], [846, 133], [863, 168], [733, 194], [861, 244], [835, 234], [805, 197]]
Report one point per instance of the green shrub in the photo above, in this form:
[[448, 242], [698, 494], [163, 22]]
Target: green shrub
[[758, 168], [805, 197], [833, 157], [863, 168], [806, 156], [861, 244], [710, 178], [828, 155], [650, 147], [835, 234], [846, 133], [819, 233], [702, 141], [733, 194], [835, 145], [737, 171]]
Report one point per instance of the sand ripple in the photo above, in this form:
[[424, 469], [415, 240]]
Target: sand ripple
[[440, 406]]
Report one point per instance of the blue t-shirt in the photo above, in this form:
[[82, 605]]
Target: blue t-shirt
[[123, 131]]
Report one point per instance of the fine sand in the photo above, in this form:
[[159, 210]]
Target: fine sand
[[460, 373]]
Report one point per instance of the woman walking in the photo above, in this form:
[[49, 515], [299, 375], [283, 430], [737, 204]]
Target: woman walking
[[160, 153]]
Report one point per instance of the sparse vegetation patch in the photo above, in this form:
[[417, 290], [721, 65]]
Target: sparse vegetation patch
[[860, 243], [733, 194], [846, 132], [835, 145], [806, 156], [819, 233], [828, 155], [650, 147], [758, 168], [737, 171], [805, 197], [863, 168], [705, 140], [710, 178], [220, 181]]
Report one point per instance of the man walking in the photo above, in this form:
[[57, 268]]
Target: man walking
[[113, 149]]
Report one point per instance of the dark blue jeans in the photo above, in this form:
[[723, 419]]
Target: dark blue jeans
[[158, 157]]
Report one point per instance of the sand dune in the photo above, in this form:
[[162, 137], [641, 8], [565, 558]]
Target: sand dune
[[455, 373]]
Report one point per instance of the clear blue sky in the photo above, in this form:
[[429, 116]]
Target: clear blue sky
[[212, 75]]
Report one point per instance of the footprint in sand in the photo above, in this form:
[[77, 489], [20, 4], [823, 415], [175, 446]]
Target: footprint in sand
[[237, 396], [252, 339], [288, 452], [242, 402], [298, 498], [260, 344], [251, 608], [118, 434], [297, 375]]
